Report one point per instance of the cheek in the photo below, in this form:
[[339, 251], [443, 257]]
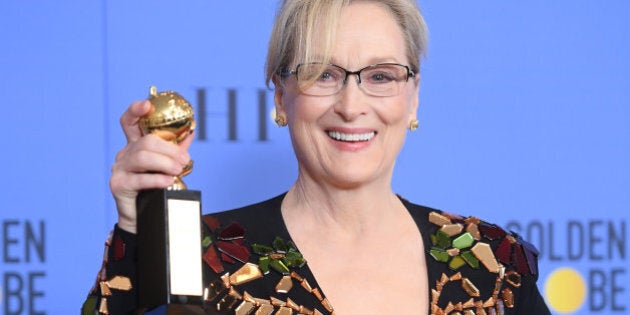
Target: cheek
[[288, 99], [396, 110], [303, 109], [410, 104]]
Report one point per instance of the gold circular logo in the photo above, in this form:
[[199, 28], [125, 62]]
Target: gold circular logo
[[565, 290]]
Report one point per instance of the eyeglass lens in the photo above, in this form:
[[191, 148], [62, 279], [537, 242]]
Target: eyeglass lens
[[377, 80]]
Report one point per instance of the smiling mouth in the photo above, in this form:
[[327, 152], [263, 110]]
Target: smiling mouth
[[351, 137]]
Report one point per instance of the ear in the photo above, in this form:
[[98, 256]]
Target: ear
[[415, 99], [278, 95]]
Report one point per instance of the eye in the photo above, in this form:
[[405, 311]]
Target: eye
[[330, 74], [325, 76], [381, 76]]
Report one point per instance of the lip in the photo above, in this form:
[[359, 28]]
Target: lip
[[351, 139]]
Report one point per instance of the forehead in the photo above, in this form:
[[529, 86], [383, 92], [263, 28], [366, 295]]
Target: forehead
[[367, 33]]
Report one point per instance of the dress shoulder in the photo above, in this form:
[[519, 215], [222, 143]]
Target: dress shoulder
[[494, 247], [477, 267]]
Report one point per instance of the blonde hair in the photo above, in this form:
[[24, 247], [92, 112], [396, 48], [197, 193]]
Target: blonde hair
[[293, 36]]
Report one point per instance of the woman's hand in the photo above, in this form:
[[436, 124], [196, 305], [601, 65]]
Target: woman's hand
[[145, 162]]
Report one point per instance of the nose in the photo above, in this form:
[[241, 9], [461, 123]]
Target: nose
[[357, 77], [352, 102]]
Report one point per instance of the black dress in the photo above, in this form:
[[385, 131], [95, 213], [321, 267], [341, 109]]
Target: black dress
[[473, 267]]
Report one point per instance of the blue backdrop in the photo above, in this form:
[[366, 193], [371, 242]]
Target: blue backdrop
[[524, 121]]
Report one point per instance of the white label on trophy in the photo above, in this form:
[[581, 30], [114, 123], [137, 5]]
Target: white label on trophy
[[184, 244]]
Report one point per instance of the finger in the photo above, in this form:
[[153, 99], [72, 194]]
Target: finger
[[130, 184], [155, 144], [129, 119], [189, 139], [146, 161]]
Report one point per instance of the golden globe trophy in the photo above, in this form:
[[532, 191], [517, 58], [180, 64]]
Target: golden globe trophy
[[169, 220]]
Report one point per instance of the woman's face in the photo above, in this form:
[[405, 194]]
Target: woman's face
[[351, 139]]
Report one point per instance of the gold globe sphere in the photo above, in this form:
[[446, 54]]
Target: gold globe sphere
[[171, 117]]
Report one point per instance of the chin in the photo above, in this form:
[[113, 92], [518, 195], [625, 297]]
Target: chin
[[352, 177]]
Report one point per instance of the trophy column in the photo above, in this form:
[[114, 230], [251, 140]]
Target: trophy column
[[170, 270], [169, 247]]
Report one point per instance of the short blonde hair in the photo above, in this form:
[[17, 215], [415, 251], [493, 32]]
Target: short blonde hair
[[293, 35]]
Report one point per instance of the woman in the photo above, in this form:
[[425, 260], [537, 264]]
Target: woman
[[340, 239]]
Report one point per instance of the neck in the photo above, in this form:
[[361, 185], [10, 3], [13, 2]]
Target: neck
[[347, 213]]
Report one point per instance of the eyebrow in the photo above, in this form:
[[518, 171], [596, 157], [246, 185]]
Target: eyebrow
[[372, 61]]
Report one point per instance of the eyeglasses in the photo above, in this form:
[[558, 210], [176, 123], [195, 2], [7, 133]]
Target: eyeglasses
[[318, 79]]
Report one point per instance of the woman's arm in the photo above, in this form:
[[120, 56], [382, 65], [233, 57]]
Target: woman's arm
[[145, 162]]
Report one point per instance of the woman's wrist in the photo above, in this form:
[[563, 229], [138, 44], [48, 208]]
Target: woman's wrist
[[125, 226]]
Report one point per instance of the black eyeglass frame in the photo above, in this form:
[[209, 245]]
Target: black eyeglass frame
[[410, 73]]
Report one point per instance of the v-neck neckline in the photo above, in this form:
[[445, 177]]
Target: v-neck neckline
[[420, 216]]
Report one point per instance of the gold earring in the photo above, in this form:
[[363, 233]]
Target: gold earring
[[280, 120], [413, 125]]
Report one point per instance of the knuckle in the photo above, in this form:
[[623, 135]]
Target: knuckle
[[121, 154], [115, 184], [142, 157]]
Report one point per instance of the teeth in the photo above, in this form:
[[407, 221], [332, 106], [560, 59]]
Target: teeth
[[351, 137]]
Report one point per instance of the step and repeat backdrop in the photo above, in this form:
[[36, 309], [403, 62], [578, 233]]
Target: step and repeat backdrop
[[524, 121]]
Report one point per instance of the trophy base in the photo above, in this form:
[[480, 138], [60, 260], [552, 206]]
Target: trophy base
[[169, 267]]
